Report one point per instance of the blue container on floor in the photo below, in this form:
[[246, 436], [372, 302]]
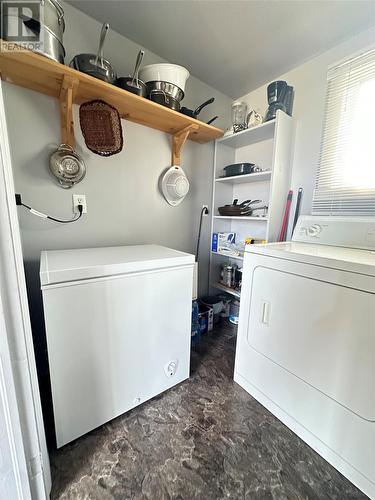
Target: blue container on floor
[[195, 327]]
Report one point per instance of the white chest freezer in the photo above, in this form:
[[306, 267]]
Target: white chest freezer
[[118, 324]]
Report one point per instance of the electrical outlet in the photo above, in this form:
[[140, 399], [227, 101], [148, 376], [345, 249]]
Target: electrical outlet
[[207, 211], [79, 199]]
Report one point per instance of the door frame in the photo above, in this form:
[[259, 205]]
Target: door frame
[[18, 327], [14, 476]]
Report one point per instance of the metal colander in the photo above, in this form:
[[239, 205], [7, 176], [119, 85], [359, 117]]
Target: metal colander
[[67, 166]]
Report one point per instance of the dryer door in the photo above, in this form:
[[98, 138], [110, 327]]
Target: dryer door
[[321, 332]]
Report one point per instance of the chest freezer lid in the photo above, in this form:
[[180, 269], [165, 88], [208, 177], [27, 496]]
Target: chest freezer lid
[[61, 266]]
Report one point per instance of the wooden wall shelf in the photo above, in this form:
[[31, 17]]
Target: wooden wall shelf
[[41, 74]]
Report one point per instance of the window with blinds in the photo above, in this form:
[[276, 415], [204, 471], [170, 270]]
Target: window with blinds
[[345, 183]]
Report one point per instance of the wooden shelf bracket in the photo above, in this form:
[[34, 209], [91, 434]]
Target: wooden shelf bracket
[[178, 141], [68, 88]]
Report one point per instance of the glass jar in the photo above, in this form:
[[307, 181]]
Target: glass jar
[[239, 116]]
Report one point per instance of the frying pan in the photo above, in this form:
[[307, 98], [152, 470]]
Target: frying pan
[[212, 120], [94, 64], [194, 113], [241, 209]]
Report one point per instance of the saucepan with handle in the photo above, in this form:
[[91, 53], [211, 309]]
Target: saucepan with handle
[[133, 83], [94, 64]]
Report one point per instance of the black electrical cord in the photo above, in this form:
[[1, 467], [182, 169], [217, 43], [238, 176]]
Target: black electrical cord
[[45, 216], [203, 211], [80, 208]]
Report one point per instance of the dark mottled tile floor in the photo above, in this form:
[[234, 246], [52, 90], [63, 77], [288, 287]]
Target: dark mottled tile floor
[[204, 439]]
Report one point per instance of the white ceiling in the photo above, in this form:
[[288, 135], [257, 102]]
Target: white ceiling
[[233, 45]]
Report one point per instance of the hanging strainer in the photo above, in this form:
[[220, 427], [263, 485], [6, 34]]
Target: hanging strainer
[[67, 166]]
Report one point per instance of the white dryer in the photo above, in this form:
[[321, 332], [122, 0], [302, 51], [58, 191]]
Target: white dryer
[[306, 340]]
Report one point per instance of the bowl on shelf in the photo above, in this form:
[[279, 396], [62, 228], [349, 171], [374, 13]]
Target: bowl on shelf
[[170, 73]]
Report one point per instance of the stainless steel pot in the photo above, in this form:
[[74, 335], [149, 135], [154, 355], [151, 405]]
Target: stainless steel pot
[[52, 47], [94, 64], [50, 31], [164, 99], [53, 17], [67, 166], [170, 89]]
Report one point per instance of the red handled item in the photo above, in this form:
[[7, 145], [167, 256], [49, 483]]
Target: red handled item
[[284, 225]]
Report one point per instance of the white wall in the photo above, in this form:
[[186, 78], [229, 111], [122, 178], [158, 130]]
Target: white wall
[[124, 204], [309, 82]]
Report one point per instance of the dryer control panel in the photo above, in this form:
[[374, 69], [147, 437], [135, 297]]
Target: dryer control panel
[[350, 232]]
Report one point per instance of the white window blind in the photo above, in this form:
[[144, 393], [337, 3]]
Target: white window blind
[[345, 183]]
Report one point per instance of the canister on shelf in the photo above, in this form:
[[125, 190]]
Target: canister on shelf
[[228, 275]]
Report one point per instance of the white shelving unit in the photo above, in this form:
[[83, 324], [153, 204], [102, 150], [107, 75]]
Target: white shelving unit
[[235, 257], [225, 289], [244, 179], [260, 133], [269, 146], [253, 218]]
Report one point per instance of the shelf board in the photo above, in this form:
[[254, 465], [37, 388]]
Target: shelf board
[[36, 72], [250, 136], [237, 257], [244, 179], [226, 289], [259, 219]]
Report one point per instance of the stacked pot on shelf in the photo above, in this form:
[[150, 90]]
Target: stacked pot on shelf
[[51, 30], [162, 83], [165, 83]]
